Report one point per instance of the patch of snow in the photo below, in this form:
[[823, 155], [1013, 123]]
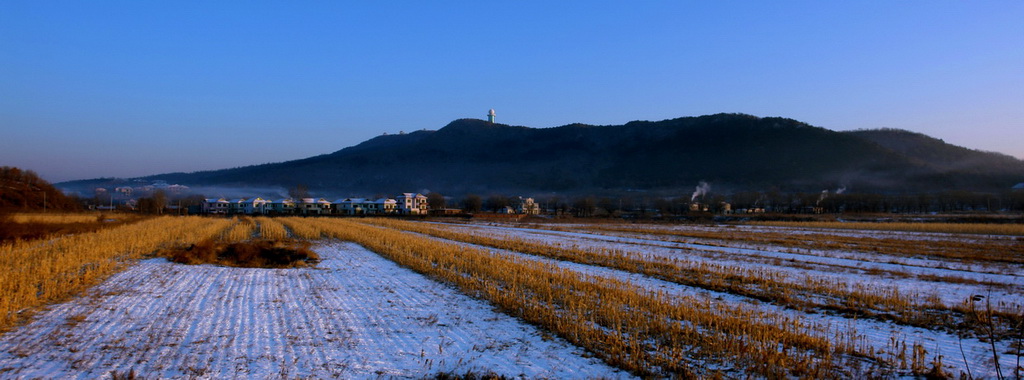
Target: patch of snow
[[843, 267], [355, 315], [877, 334]]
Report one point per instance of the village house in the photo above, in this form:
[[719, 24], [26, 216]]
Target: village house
[[281, 206], [314, 206], [215, 206], [385, 206], [411, 204], [348, 206], [407, 204], [236, 206], [363, 206], [526, 206], [254, 206]]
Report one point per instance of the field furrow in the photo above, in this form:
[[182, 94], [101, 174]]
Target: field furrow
[[403, 298], [870, 335], [355, 315]]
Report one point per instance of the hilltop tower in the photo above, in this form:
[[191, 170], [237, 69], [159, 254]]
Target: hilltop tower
[[490, 116]]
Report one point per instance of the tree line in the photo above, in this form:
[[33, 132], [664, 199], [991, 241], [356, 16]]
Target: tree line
[[23, 190]]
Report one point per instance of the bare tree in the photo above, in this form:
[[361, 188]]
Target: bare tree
[[472, 203], [298, 192], [436, 201]]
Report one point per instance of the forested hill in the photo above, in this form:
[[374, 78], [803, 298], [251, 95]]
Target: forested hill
[[929, 151], [23, 190], [733, 151]]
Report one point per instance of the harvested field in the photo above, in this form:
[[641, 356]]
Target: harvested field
[[412, 299], [354, 315]]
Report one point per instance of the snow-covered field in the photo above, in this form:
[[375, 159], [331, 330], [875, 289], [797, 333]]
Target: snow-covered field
[[358, 315], [355, 315], [1007, 284], [960, 354]]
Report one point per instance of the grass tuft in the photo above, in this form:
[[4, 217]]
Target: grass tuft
[[469, 375]]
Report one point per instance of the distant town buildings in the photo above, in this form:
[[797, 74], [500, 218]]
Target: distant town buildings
[[404, 204]]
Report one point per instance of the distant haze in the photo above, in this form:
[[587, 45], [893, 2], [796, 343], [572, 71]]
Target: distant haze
[[94, 89]]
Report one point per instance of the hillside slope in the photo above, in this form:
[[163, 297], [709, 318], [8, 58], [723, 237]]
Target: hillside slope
[[734, 151]]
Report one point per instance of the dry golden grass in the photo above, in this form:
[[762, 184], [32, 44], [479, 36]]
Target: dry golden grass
[[952, 228], [25, 226], [271, 229], [977, 250], [765, 284], [759, 284], [36, 273], [241, 229], [647, 333], [303, 230], [60, 218]]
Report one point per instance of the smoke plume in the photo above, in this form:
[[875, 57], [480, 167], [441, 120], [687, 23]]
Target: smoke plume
[[824, 194], [702, 188]]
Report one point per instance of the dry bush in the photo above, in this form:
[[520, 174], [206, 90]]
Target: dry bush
[[130, 375], [250, 254], [468, 375]]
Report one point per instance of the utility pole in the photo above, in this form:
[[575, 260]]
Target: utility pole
[[44, 202]]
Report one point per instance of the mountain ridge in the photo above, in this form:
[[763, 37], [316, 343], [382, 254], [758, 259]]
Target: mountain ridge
[[735, 151]]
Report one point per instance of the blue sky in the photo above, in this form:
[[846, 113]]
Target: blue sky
[[95, 89]]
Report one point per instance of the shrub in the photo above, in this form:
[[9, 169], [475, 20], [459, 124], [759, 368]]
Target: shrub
[[250, 254]]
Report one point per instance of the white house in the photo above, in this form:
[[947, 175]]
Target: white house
[[363, 206], [314, 206], [406, 204], [527, 206], [281, 206], [411, 204], [385, 206], [236, 206], [215, 206], [256, 206], [349, 206]]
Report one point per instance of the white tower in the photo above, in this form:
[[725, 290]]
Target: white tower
[[490, 116]]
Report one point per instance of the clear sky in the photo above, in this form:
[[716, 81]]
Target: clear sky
[[131, 88]]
